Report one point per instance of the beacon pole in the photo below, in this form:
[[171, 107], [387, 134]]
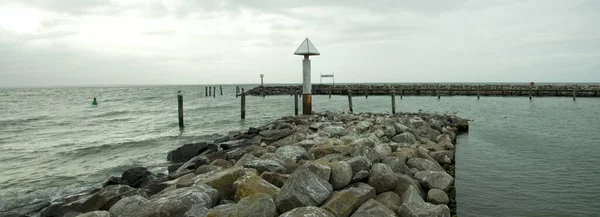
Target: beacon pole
[[306, 49]]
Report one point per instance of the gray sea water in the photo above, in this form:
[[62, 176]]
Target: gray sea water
[[520, 158]]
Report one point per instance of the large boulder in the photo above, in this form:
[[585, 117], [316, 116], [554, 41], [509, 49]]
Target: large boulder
[[320, 170], [222, 210], [95, 214], [257, 205], [303, 188], [389, 199], [193, 163], [251, 184], [341, 174], [435, 179], [276, 179], [441, 157], [405, 138], [437, 196], [396, 164], [360, 127], [178, 202], [411, 195], [421, 209], [136, 177], [293, 152], [404, 182], [359, 163], [366, 151], [221, 180], [309, 211], [382, 178], [335, 131], [197, 210], [424, 164], [263, 165], [329, 146], [129, 206], [343, 203], [188, 151], [384, 150], [373, 208], [275, 134], [290, 140], [107, 197]]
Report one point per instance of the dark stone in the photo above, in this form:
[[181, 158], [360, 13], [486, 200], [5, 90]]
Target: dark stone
[[253, 130], [173, 167], [155, 188], [188, 151], [113, 180], [135, 177], [217, 155], [27, 209]]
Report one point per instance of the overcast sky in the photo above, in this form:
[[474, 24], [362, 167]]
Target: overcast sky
[[106, 42]]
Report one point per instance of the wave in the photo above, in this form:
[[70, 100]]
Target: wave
[[112, 113], [204, 108], [18, 121], [90, 150]]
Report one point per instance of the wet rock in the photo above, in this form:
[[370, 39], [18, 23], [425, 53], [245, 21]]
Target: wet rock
[[221, 180], [401, 128], [359, 163], [136, 177], [373, 208], [343, 203], [383, 150], [95, 214], [389, 199], [296, 153], [251, 185], [185, 181], [303, 188], [369, 142], [232, 144], [221, 163], [388, 130], [309, 211], [197, 210], [324, 172], [405, 138], [113, 180], [274, 178], [423, 209], [416, 122], [106, 198], [341, 174], [129, 206], [443, 157], [361, 126], [382, 178], [188, 151], [435, 179], [178, 174], [263, 165], [178, 202], [437, 196], [424, 164], [207, 168], [411, 195], [257, 205]]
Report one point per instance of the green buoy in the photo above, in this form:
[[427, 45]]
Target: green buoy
[[94, 102]]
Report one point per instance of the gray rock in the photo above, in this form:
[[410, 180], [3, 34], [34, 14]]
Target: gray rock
[[443, 156], [197, 210], [290, 140], [383, 150], [275, 134], [369, 142], [263, 165], [276, 179], [404, 182], [232, 144], [389, 130], [437, 196], [293, 152], [405, 138], [257, 205], [401, 128], [320, 170], [129, 206], [185, 181], [178, 202], [309, 211], [207, 168], [136, 177], [422, 209], [373, 208], [193, 163], [345, 202], [382, 178], [303, 188], [359, 163], [106, 198], [362, 126], [95, 214], [389, 199], [395, 163], [368, 152], [423, 164], [436, 124], [360, 176], [435, 179], [222, 210], [341, 174], [411, 195], [188, 151], [416, 122]]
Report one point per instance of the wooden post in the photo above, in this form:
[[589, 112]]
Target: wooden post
[[477, 93], [214, 91], [393, 101], [438, 93], [329, 93], [401, 93], [205, 91], [296, 103], [243, 109], [221, 89], [209, 90], [367, 92], [262, 88], [180, 108], [350, 101], [529, 93], [574, 94]]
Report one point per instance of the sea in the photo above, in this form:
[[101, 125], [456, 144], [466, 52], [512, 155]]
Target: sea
[[520, 157]]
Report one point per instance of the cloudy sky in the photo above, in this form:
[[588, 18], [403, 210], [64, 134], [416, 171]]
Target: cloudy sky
[[108, 42]]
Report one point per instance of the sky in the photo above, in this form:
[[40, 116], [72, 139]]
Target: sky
[[109, 42]]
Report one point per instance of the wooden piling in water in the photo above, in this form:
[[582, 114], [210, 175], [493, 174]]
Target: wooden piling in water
[[296, 103], [401, 93], [367, 92], [477, 93], [529, 93], [221, 89], [574, 94], [205, 91], [329, 93], [393, 102], [209, 90], [350, 101], [243, 108], [180, 108], [214, 91]]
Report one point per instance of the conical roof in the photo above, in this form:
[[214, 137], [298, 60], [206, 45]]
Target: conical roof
[[307, 48]]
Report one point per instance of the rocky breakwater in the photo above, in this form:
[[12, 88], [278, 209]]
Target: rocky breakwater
[[325, 165]]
